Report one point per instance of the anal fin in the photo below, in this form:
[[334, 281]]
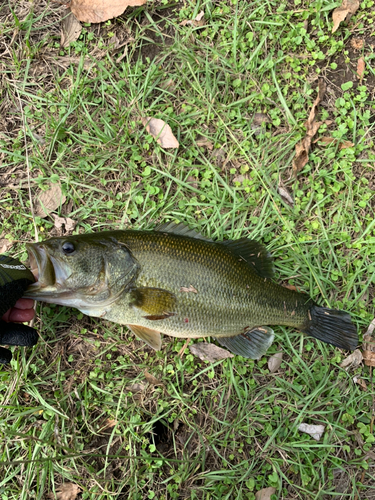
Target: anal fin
[[251, 344], [151, 337]]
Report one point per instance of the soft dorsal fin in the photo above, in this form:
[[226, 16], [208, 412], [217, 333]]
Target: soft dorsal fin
[[181, 229], [254, 253]]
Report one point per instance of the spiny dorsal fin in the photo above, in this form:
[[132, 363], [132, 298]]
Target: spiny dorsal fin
[[251, 344], [254, 253], [181, 229]]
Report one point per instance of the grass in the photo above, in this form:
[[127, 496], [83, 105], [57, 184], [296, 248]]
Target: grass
[[81, 407]]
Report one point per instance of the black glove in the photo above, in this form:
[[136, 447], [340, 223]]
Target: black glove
[[14, 279]]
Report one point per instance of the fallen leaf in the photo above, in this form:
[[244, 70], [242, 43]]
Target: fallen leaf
[[161, 131], [5, 245], [70, 30], [353, 360], [197, 21], [203, 142], [274, 362], [284, 193], [48, 201], [239, 178], [265, 493], [360, 67], [209, 352], [97, 11], [346, 144], [315, 431], [291, 287], [151, 379], [108, 424], [329, 140], [369, 345], [66, 491], [303, 147], [138, 387], [64, 225], [357, 43], [346, 10], [188, 289], [360, 382], [258, 119]]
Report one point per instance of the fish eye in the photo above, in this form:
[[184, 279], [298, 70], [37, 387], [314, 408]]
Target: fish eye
[[68, 247]]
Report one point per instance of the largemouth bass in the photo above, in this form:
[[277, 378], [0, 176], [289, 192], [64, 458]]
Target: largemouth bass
[[176, 282]]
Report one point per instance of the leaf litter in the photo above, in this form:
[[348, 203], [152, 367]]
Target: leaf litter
[[315, 431], [66, 491], [369, 345], [70, 30], [265, 493], [97, 11], [312, 126], [274, 362], [197, 21], [48, 201], [209, 352], [344, 13], [353, 360], [161, 131]]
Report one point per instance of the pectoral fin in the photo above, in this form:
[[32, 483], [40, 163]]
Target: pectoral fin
[[250, 344], [151, 337], [154, 302]]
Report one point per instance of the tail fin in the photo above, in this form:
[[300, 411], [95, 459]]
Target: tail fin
[[333, 327]]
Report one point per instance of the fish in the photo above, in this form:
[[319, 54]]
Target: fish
[[174, 281]]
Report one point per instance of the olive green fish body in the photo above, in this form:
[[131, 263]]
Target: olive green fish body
[[226, 295], [174, 281]]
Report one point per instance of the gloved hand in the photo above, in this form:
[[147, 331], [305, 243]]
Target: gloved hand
[[14, 279]]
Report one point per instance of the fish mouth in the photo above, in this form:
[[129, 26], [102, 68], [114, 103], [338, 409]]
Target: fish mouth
[[45, 271]]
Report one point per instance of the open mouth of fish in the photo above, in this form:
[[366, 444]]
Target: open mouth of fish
[[47, 273]]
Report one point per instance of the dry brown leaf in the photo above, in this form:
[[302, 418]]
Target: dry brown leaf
[[291, 287], [275, 361], [346, 144], [209, 352], [353, 360], [66, 491], [369, 345], [48, 201], [161, 131], [151, 379], [138, 387], [329, 140], [284, 193], [188, 289], [258, 119], [203, 142], [360, 67], [97, 11], [315, 431], [360, 382], [197, 21], [5, 245], [265, 493], [357, 43], [70, 30], [346, 10], [303, 147], [64, 225]]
